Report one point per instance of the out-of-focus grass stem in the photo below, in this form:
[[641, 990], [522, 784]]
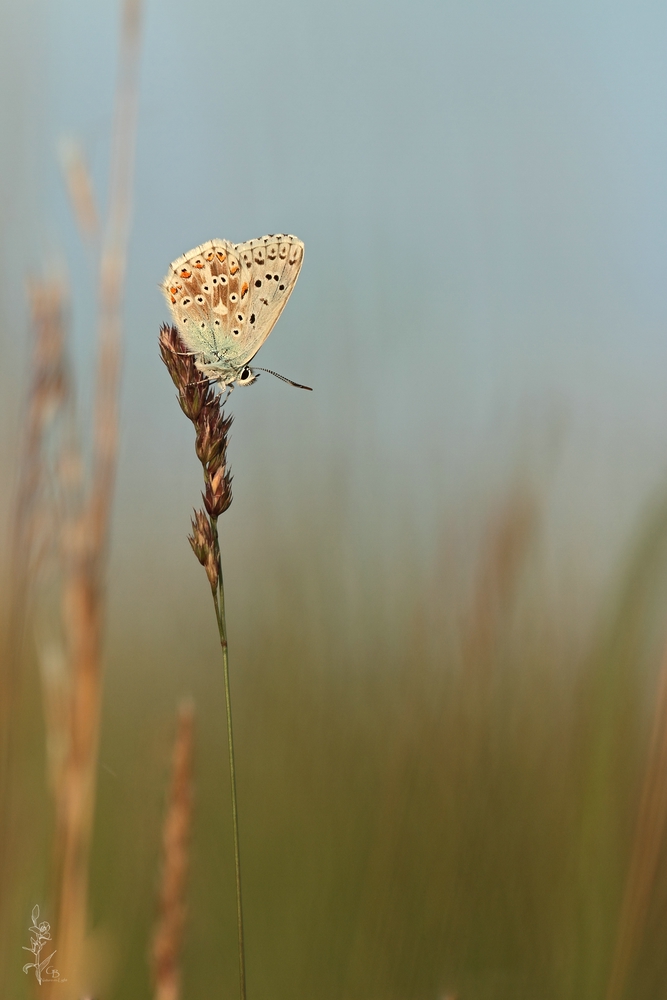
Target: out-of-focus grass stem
[[649, 839], [84, 593], [168, 938]]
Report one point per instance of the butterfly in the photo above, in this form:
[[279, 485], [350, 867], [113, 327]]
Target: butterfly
[[226, 298]]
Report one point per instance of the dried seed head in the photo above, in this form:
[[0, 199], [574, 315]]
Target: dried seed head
[[201, 541], [194, 390], [212, 434], [218, 494], [202, 405]]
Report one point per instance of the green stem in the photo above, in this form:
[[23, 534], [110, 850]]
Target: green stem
[[219, 602]]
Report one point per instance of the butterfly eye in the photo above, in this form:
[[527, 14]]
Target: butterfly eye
[[245, 374]]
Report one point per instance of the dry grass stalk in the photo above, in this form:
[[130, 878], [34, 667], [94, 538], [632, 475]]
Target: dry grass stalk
[[49, 390], [42, 498], [50, 505], [87, 544], [168, 940], [649, 838], [203, 406], [508, 540], [80, 190]]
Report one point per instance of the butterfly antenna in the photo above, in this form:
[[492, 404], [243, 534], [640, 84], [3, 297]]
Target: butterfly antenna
[[288, 380]]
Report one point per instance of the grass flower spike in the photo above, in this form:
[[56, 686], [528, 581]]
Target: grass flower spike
[[203, 406]]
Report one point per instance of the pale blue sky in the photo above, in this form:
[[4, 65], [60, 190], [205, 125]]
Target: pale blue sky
[[482, 191]]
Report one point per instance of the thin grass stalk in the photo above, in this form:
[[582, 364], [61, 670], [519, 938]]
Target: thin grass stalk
[[219, 602], [83, 599], [204, 407], [35, 535], [49, 389], [112, 274], [80, 191], [509, 535], [168, 939]]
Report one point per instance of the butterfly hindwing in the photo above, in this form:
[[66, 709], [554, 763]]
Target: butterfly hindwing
[[197, 289]]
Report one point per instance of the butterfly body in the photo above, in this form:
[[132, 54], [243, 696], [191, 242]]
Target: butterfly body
[[225, 298]]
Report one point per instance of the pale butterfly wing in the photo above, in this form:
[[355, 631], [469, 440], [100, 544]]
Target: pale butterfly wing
[[226, 298], [197, 290], [272, 265]]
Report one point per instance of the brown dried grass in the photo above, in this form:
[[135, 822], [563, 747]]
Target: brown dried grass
[[86, 558], [61, 528], [168, 939], [648, 843]]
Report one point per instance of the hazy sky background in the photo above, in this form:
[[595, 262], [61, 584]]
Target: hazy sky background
[[481, 189]]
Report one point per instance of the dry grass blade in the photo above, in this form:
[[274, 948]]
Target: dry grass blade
[[80, 190], [168, 940], [509, 536], [36, 527], [49, 390], [648, 841], [204, 407], [112, 276], [83, 599]]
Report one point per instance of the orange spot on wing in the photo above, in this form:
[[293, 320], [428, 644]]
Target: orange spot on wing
[[233, 269], [220, 256], [185, 273], [244, 289], [173, 301], [173, 290], [199, 265], [209, 256]]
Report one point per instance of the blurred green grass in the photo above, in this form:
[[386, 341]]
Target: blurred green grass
[[437, 788]]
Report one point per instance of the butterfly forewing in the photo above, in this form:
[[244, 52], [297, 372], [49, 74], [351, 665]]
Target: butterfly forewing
[[271, 267], [226, 298]]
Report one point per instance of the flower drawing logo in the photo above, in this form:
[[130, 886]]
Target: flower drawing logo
[[40, 934]]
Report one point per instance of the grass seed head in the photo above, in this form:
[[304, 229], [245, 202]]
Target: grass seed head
[[201, 541]]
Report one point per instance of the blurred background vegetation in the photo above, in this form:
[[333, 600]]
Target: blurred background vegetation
[[446, 569]]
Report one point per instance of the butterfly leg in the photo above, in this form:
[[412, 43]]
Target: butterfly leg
[[211, 381]]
